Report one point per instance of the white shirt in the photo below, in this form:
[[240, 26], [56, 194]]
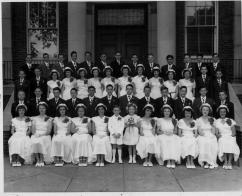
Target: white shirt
[[115, 125], [29, 65], [74, 64], [21, 102], [203, 99]]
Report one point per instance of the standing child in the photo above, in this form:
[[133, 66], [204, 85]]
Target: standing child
[[131, 135], [116, 128]]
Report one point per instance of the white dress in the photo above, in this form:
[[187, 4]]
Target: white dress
[[168, 146], [41, 143], [226, 143], [171, 88], [19, 143], [82, 89], [68, 85], [207, 144], [189, 144], [101, 141], [147, 142], [190, 85], [106, 81], [123, 82], [97, 84], [131, 133], [61, 143], [155, 87], [81, 140], [139, 86], [52, 84]]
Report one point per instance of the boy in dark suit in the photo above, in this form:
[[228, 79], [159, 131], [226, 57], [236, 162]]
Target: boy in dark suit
[[150, 65], [46, 67], [21, 84], [102, 63], [33, 105], [20, 100], [200, 100], [214, 66], [54, 102], [60, 66], [170, 65], [127, 99], [72, 103], [91, 102], [181, 102], [109, 101], [133, 64], [116, 65], [199, 64], [87, 64], [28, 67], [73, 64], [187, 65], [145, 100]]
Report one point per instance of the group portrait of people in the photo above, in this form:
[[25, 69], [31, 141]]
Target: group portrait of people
[[89, 113]]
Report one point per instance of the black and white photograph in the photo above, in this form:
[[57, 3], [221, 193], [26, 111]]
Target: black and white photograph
[[121, 97]]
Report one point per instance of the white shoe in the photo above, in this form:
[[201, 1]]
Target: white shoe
[[113, 161], [84, 164], [97, 164], [145, 164], [18, 164], [211, 167], [14, 164], [173, 166], [80, 164], [42, 164], [206, 166], [37, 164], [120, 161], [130, 160], [168, 165], [188, 166], [101, 164], [229, 167], [150, 164], [134, 160]]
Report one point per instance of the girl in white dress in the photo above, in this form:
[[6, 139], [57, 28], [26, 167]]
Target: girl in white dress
[[96, 82], [140, 81], [109, 80], [207, 141], [68, 83], [19, 143], [61, 148], [131, 134], [124, 80], [55, 82], [187, 130], [171, 84], [189, 82], [156, 83], [102, 149], [147, 140], [228, 148], [81, 139], [82, 84], [41, 140], [168, 143]]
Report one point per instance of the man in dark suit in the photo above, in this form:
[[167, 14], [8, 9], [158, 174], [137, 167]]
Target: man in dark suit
[[28, 67], [54, 102], [214, 66], [162, 101], [91, 102], [150, 65], [72, 103], [116, 65], [38, 81], [127, 99], [181, 102], [33, 105], [109, 101], [73, 64], [223, 100], [46, 67], [20, 100], [133, 64], [187, 65], [200, 100], [21, 84], [102, 63], [145, 100], [60, 66], [87, 64], [204, 80], [199, 65], [170, 65]]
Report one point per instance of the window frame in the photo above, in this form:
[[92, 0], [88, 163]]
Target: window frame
[[29, 28], [216, 29]]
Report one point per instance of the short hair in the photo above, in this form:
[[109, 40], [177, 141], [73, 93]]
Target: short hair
[[38, 88], [129, 85], [163, 88], [37, 67], [219, 70], [147, 86], [117, 52], [21, 70], [183, 87], [73, 89], [60, 55], [57, 89], [109, 86], [21, 90], [187, 54], [45, 54], [73, 52], [223, 91], [188, 110], [203, 86], [29, 55], [88, 52], [134, 55], [116, 106], [200, 54], [93, 87], [169, 56], [203, 65]]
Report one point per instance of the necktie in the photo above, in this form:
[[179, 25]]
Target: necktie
[[91, 101], [37, 102], [129, 97], [204, 78], [164, 100], [21, 82], [215, 66], [222, 102], [147, 99], [109, 99], [73, 102], [183, 102], [203, 99], [187, 65], [219, 82], [37, 81], [151, 66]]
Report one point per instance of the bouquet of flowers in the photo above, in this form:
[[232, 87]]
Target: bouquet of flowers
[[47, 118], [66, 120], [129, 79], [58, 83], [143, 79], [152, 121], [113, 79], [85, 81], [106, 120], [85, 120], [174, 122], [71, 79], [192, 124], [119, 118], [229, 122], [211, 120], [131, 121], [27, 119], [161, 80], [174, 82]]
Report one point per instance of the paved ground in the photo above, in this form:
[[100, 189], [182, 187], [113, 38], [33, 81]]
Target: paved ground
[[119, 178]]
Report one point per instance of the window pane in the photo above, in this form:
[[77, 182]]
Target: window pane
[[41, 41], [201, 20], [192, 40], [51, 14], [191, 15], [210, 20], [33, 15], [206, 37]]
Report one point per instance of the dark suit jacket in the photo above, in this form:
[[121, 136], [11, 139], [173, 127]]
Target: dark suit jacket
[[114, 101], [42, 84], [13, 108], [197, 70], [74, 71], [197, 103], [60, 70], [52, 112], [230, 105], [116, 68], [101, 66], [25, 86], [71, 109], [148, 71], [178, 106], [207, 83], [142, 102], [159, 104], [29, 72], [191, 66], [212, 71], [86, 66], [90, 111], [33, 109], [133, 68], [164, 69], [216, 88], [45, 71], [123, 102]]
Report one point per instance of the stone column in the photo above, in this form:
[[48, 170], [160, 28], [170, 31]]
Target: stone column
[[77, 29], [166, 30]]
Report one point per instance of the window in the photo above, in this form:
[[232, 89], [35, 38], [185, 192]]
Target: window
[[42, 29], [201, 27]]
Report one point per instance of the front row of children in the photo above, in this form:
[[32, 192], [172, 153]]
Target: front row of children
[[84, 140]]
